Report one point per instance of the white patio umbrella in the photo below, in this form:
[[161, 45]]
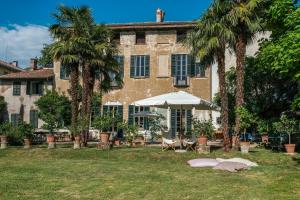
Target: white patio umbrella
[[180, 100]]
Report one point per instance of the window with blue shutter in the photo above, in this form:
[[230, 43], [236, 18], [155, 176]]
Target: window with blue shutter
[[140, 66], [37, 88], [186, 121], [15, 119], [16, 88], [116, 111], [33, 117], [181, 66], [120, 61], [173, 123], [64, 72], [130, 112]]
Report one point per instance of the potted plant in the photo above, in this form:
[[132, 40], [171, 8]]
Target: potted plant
[[131, 132], [27, 132], [5, 129], [202, 129], [75, 130], [287, 126], [103, 123], [263, 129], [247, 119], [50, 125]]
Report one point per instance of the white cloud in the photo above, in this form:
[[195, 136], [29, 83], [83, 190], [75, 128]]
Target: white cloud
[[22, 42]]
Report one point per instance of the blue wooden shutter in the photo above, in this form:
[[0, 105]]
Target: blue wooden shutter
[[62, 72], [146, 121], [173, 123], [121, 64], [173, 65], [105, 109], [132, 66], [120, 113], [188, 122], [147, 66], [28, 88], [41, 88], [34, 118], [189, 65], [130, 112], [193, 67]]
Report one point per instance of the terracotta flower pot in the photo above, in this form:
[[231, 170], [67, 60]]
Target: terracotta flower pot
[[265, 138], [3, 141], [245, 146], [117, 143], [202, 140], [51, 141], [104, 137], [27, 143], [77, 142], [290, 148]]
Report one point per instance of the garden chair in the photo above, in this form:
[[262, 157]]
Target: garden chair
[[189, 144], [167, 143]]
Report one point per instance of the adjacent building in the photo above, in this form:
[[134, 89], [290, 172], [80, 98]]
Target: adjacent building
[[22, 89], [6, 68]]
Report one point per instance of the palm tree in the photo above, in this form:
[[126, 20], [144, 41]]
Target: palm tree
[[99, 59], [70, 33], [245, 22], [208, 42]]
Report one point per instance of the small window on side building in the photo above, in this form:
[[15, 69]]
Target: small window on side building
[[16, 88]]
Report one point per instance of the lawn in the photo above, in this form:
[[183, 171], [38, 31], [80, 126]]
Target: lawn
[[142, 173]]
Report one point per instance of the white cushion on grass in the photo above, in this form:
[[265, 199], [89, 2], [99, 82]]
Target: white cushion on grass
[[203, 162], [231, 166], [239, 160]]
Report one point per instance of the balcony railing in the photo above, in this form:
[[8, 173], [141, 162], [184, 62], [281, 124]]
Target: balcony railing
[[181, 81]]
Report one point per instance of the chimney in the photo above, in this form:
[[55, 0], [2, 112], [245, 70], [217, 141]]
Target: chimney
[[160, 15], [14, 63], [33, 63]]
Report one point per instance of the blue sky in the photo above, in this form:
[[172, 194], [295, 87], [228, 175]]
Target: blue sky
[[24, 23]]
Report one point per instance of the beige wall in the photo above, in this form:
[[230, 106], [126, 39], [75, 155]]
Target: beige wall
[[14, 102], [157, 43]]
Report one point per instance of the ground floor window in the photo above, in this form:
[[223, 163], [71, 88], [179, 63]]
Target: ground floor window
[[33, 116], [117, 113], [141, 122], [186, 122], [15, 119]]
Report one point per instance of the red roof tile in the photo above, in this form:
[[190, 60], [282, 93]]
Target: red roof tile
[[35, 74]]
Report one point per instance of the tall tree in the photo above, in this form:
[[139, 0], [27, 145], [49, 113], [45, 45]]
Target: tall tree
[[245, 21], [71, 30], [208, 42]]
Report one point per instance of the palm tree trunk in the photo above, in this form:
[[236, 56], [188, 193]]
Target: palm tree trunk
[[240, 63], [74, 96], [86, 75], [224, 97]]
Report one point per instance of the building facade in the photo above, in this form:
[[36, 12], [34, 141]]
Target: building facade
[[21, 89], [153, 61]]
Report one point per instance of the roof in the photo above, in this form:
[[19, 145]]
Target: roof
[[10, 66], [153, 26], [34, 74]]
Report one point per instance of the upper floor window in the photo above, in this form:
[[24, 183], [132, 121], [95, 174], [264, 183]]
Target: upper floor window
[[140, 66], [16, 88], [35, 88], [140, 38], [116, 38], [181, 36], [198, 70], [64, 72]]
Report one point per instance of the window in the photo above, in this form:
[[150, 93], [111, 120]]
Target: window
[[33, 117], [181, 68], [16, 88], [199, 70], [139, 66], [163, 66], [64, 72], [186, 121], [15, 119], [117, 112], [35, 88], [116, 38], [181, 36], [142, 122], [140, 38]]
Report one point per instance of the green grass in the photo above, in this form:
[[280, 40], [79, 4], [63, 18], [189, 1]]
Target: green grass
[[142, 173]]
